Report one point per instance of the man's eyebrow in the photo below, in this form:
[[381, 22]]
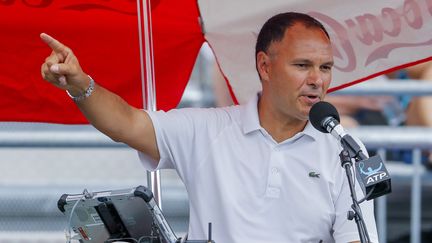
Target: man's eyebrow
[[330, 63], [307, 61], [301, 60]]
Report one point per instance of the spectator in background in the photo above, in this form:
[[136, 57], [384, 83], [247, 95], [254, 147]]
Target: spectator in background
[[366, 110], [390, 110], [418, 113], [387, 110]]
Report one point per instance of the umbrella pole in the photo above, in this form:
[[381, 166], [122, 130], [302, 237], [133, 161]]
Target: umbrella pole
[[148, 80]]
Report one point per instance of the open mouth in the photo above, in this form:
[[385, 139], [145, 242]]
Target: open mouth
[[311, 99]]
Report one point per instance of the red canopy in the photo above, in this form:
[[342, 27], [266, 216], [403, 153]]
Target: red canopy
[[104, 36], [369, 38]]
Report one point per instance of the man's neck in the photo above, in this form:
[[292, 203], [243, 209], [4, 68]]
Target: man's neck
[[281, 127]]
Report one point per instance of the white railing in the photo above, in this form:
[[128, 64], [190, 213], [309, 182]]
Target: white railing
[[394, 87], [377, 138], [415, 139]]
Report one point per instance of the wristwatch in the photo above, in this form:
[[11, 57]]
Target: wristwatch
[[86, 93]]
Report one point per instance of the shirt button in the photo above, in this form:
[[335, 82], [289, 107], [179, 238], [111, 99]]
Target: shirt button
[[274, 170], [273, 192]]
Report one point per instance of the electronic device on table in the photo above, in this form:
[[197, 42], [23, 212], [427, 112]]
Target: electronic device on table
[[127, 215]]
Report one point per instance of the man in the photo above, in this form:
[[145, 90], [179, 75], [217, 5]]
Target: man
[[259, 172]]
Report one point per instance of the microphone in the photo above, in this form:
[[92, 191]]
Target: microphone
[[325, 118], [372, 175]]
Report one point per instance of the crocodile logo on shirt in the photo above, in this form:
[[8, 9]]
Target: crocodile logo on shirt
[[314, 174]]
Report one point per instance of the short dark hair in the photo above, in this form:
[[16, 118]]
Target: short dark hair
[[275, 27]]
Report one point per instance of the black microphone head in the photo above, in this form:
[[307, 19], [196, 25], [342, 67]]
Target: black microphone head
[[319, 112]]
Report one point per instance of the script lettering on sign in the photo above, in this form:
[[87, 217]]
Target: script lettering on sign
[[379, 33], [121, 6]]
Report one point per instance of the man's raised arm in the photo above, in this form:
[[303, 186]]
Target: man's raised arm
[[105, 110]]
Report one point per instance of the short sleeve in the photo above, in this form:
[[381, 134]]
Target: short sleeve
[[183, 136]]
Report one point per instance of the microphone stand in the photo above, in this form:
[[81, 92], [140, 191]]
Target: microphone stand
[[345, 158]]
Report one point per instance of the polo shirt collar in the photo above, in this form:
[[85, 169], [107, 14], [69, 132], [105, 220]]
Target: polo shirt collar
[[250, 120], [310, 131]]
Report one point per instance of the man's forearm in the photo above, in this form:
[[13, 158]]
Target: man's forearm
[[107, 112]]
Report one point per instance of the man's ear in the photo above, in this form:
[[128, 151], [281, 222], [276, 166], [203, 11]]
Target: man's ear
[[263, 65]]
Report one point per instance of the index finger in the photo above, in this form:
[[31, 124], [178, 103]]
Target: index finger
[[55, 45]]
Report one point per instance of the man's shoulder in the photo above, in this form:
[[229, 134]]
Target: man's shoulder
[[328, 143], [224, 113], [208, 117]]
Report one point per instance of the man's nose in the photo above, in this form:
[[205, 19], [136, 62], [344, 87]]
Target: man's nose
[[315, 77]]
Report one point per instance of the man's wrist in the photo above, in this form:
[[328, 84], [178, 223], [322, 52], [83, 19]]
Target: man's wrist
[[82, 94]]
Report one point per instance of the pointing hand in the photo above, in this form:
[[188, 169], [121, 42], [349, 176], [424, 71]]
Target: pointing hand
[[62, 68]]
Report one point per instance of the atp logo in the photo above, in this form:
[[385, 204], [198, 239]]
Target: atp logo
[[372, 175], [369, 171], [376, 178]]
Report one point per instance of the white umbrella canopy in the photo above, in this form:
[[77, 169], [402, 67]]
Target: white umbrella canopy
[[369, 37]]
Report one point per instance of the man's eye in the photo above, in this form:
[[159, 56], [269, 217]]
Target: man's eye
[[301, 65], [326, 68]]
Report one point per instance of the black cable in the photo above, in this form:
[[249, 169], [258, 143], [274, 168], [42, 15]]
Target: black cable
[[368, 195]]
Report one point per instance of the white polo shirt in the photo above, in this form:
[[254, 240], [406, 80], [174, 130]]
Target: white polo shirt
[[252, 188]]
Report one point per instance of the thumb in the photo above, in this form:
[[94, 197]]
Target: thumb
[[61, 69]]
